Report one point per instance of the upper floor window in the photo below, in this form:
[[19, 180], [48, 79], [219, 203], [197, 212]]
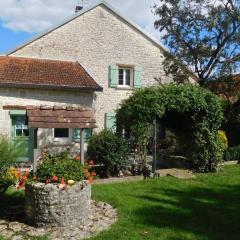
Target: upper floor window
[[125, 76]]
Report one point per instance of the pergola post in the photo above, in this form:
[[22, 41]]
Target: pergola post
[[82, 140]]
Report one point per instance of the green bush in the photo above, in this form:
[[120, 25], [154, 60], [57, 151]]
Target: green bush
[[9, 153], [232, 153], [109, 150], [60, 165]]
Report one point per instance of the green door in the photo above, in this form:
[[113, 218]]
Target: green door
[[21, 133]]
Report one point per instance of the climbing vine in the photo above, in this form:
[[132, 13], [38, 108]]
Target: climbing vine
[[194, 113]]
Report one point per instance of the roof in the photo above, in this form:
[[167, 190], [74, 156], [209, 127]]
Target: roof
[[41, 73], [87, 9]]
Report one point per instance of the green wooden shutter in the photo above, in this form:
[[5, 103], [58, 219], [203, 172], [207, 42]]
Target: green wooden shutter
[[138, 75], [110, 121], [113, 76], [77, 134]]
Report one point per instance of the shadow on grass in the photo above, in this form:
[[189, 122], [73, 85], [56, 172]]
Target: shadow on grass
[[213, 214], [12, 206]]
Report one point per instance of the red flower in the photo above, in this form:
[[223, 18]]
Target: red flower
[[55, 178], [48, 181], [91, 162]]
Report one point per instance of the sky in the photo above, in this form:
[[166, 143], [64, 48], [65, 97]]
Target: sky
[[20, 20]]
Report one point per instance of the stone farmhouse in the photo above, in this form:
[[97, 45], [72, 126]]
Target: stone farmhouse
[[74, 76]]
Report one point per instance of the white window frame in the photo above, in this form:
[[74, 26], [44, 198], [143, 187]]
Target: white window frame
[[124, 77], [65, 139]]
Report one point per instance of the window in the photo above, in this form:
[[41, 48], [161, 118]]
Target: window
[[125, 76], [61, 133], [21, 128]]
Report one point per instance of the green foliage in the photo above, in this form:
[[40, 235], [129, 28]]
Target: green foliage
[[232, 124], [195, 114], [200, 34], [222, 139], [110, 150], [232, 154], [9, 153], [60, 165]]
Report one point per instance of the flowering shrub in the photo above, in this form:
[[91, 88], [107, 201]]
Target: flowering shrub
[[59, 168], [9, 153], [22, 178], [108, 150]]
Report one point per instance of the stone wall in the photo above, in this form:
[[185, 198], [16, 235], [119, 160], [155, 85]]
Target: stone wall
[[47, 205], [98, 39]]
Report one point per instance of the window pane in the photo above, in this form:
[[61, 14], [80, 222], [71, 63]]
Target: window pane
[[61, 132], [25, 132], [18, 132], [128, 77], [120, 77]]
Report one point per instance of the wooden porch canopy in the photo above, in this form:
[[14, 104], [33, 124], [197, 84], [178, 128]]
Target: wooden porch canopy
[[57, 116], [60, 117]]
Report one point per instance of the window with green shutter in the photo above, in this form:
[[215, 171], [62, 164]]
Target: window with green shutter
[[77, 134], [113, 76], [138, 75], [110, 121]]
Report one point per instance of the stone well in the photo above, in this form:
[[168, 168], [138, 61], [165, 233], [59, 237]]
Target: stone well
[[49, 205]]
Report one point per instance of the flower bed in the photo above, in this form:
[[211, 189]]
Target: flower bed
[[56, 206]]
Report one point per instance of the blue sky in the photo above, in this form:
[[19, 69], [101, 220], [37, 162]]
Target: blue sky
[[20, 20], [10, 39]]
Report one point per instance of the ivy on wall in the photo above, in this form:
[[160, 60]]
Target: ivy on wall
[[194, 113]]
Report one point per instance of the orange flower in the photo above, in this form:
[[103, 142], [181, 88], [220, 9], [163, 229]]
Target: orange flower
[[78, 158], [63, 181], [94, 174], [34, 178]]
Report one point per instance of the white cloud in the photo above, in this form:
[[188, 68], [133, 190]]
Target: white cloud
[[34, 16]]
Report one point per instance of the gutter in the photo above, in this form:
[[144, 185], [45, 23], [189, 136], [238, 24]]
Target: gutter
[[51, 87]]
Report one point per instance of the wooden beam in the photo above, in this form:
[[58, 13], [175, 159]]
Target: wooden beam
[[82, 145], [61, 120], [13, 107], [60, 125], [59, 113]]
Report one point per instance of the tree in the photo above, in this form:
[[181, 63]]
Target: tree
[[203, 34]]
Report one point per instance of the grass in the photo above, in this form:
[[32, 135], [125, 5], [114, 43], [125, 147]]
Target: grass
[[205, 208]]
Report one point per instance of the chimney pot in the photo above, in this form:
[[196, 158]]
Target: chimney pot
[[78, 8]]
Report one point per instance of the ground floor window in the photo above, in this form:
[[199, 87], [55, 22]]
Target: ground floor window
[[61, 133]]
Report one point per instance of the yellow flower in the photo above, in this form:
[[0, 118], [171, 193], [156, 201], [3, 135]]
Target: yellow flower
[[71, 182]]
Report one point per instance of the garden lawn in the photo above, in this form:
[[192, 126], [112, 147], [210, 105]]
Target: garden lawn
[[205, 208]]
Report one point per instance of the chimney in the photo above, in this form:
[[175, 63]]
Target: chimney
[[78, 8]]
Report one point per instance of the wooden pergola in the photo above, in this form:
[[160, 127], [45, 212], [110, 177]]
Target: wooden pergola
[[59, 117]]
